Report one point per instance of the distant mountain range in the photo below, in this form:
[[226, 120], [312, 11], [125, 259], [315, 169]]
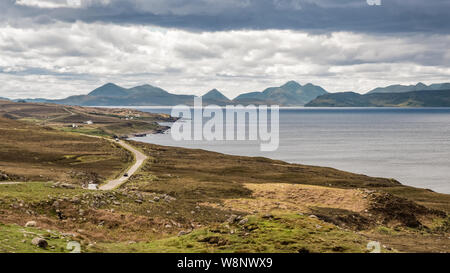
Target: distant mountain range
[[289, 94], [409, 88], [436, 98]]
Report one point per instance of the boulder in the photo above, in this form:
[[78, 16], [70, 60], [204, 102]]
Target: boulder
[[232, 218], [31, 224], [4, 177], [40, 242], [183, 232], [67, 186], [267, 216], [243, 221]]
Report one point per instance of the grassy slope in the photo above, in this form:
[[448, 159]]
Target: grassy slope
[[287, 233], [17, 239], [40, 153], [197, 177]]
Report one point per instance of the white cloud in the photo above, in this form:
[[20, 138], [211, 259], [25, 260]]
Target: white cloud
[[51, 4], [62, 59]]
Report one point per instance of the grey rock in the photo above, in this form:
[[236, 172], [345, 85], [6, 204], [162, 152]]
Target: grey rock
[[243, 221], [31, 224], [40, 242], [232, 218], [184, 232], [67, 186]]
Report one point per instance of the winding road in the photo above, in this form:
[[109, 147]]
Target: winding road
[[140, 159]]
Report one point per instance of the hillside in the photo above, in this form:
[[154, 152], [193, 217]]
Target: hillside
[[407, 99], [34, 153], [185, 200]]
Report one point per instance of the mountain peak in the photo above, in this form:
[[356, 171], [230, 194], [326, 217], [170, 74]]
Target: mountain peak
[[109, 90], [145, 86], [215, 94], [109, 84], [146, 90], [291, 84], [213, 91]]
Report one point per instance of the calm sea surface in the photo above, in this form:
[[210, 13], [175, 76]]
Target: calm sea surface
[[410, 145]]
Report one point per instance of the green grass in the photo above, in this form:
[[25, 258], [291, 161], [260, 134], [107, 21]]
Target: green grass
[[285, 233], [35, 191], [424, 197], [130, 127], [86, 131], [17, 239], [386, 230], [32, 120]]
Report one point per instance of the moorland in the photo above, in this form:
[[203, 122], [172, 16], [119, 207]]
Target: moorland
[[185, 200]]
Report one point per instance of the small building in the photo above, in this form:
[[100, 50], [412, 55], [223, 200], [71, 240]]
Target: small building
[[89, 122], [74, 125]]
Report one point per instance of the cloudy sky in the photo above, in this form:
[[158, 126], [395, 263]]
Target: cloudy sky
[[56, 48]]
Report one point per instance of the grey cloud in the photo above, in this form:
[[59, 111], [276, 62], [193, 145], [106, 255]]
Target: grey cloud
[[393, 16], [50, 57]]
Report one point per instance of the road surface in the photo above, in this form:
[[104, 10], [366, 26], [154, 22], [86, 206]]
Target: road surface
[[140, 158]]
